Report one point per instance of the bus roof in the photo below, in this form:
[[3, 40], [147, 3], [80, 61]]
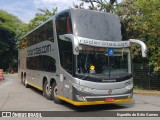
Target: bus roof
[[103, 24], [96, 25]]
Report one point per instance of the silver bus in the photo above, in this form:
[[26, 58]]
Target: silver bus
[[79, 56]]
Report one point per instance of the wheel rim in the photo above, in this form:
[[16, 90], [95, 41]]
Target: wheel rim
[[55, 92], [21, 79], [25, 81], [47, 89]]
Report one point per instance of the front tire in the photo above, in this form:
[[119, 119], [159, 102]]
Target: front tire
[[54, 93], [47, 90]]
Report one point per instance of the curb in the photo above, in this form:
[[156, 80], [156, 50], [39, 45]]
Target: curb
[[147, 92]]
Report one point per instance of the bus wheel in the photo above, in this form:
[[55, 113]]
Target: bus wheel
[[25, 82], [54, 93], [47, 90], [21, 78]]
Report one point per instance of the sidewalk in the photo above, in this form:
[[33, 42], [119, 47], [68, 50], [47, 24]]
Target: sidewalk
[[147, 92]]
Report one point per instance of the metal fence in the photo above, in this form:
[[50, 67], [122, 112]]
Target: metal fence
[[145, 77]]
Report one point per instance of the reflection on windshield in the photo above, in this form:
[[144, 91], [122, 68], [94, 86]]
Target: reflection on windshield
[[98, 25], [104, 62]]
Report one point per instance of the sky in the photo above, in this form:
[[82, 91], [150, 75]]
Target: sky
[[25, 10]]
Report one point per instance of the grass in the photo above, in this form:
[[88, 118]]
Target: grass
[[138, 88]]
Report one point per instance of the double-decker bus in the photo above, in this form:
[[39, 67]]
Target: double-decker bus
[[79, 56]]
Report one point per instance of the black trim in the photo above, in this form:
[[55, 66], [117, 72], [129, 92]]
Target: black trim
[[104, 80]]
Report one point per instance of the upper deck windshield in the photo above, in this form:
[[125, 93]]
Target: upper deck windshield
[[105, 63], [97, 25]]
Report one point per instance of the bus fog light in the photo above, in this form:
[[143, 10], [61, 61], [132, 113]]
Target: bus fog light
[[81, 98]]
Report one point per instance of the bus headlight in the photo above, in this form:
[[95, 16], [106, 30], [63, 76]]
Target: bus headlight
[[129, 86], [81, 88]]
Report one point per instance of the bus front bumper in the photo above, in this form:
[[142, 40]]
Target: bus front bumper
[[79, 103]]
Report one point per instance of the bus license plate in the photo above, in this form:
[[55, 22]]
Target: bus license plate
[[109, 100]]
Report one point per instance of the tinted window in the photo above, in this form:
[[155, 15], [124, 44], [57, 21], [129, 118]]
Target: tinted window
[[41, 63], [45, 32], [63, 26], [97, 25], [124, 32], [48, 64], [66, 55]]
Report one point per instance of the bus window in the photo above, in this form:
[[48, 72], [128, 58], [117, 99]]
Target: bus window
[[48, 64], [68, 25], [124, 32], [44, 32], [67, 61], [49, 31], [63, 26], [41, 63]]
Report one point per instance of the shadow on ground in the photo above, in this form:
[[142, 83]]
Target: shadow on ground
[[94, 108]]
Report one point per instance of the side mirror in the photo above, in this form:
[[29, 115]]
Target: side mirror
[[73, 39], [142, 44]]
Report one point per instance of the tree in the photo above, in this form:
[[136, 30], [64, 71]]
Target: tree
[[100, 5], [11, 30], [149, 27], [141, 18], [10, 27], [41, 17]]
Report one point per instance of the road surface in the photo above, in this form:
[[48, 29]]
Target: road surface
[[15, 97]]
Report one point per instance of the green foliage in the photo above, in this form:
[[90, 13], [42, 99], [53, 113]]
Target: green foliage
[[150, 17], [10, 29], [141, 18], [100, 5], [40, 18], [137, 87]]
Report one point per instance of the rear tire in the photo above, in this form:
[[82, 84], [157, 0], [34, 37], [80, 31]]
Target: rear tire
[[54, 93], [25, 82], [22, 79], [47, 91]]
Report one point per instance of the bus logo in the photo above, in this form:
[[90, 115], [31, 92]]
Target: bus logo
[[109, 91]]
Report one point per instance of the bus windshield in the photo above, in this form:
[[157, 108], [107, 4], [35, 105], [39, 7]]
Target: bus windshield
[[103, 63], [99, 26]]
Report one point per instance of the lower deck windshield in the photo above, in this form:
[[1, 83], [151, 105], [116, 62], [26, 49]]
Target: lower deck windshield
[[103, 62]]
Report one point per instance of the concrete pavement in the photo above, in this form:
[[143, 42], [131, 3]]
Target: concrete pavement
[[15, 97]]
